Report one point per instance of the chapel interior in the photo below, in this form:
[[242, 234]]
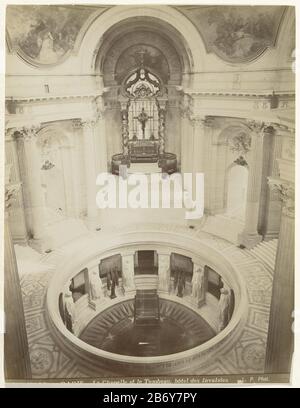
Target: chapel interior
[[94, 293]]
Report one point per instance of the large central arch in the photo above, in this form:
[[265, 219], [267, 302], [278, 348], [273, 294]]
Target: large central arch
[[165, 14]]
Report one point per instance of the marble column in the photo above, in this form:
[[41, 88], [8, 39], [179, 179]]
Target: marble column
[[36, 194], [90, 172], [250, 236], [270, 204], [100, 139], [103, 160], [17, 218], [280, 333], [163, 271], [128, 272], [16, 354], [199, 125]]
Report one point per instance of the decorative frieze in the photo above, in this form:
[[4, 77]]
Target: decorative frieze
[[27, 133], [88, 123], [259, 127], [286, 191]]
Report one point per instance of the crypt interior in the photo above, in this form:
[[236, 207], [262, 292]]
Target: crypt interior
[[109, 292]]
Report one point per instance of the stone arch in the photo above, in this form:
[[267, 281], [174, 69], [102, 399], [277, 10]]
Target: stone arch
[[185, 30], [162, 55]]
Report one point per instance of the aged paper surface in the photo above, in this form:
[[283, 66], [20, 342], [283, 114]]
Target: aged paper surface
[[149, 183]]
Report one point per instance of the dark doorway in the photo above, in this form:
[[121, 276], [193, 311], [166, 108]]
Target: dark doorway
[[146, 263]]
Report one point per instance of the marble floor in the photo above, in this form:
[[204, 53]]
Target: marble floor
[[179, 329]]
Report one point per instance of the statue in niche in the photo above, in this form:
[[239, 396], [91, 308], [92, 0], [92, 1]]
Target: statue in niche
[[128, 274], [70, 311], [198, 285], [112, 282], [224, 303], [179, 283], [96, 291]]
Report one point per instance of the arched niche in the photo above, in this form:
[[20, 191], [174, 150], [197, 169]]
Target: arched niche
[[236, 190], [231, 151], [180, 29], [55, 146], [164, 51]]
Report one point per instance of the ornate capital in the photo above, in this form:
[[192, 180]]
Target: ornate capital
[[10, 133], [286, 191], [27, 133], [11, 191], [260, 127], [210, 122], [88, 123]]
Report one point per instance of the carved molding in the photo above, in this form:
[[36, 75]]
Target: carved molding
[[11, 192], [27, 133], [186, 106], [286, 191], [241, 143], [260, 127], [88, 123]]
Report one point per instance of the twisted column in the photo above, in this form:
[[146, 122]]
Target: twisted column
[[162, 130], [125, 130]]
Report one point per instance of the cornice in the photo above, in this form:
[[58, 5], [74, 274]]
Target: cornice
[[52, 97]]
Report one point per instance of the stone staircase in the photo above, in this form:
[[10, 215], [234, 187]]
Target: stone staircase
[[265, 251], [146, 308]]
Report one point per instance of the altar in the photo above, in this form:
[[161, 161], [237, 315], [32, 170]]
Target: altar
[[143, 151], [143, 100]]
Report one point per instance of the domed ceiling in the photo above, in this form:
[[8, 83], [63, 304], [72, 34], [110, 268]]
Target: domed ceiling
[[47, 34]]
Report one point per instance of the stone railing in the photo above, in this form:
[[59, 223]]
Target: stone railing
[[93, 358]]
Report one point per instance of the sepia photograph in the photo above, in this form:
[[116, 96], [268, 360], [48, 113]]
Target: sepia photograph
[[149, 184]]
